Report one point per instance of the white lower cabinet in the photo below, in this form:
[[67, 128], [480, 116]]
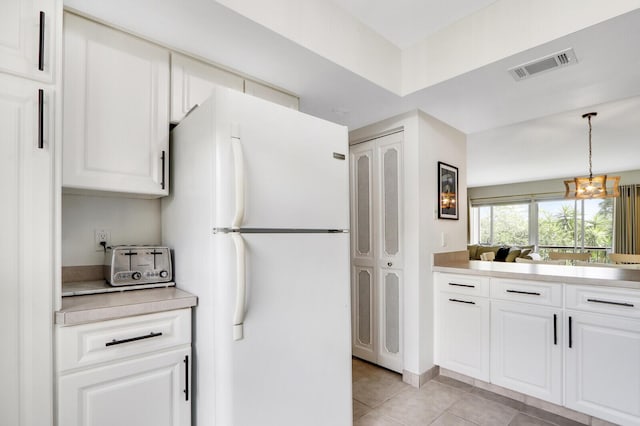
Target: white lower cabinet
[[462, 330], [133, 371], [526, 349], [572, 345], [602, 366], [146, 391]]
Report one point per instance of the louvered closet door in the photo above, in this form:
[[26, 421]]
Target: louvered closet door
[[362, 258], [377, 254]]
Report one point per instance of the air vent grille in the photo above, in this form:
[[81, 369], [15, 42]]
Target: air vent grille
[[550, 62]]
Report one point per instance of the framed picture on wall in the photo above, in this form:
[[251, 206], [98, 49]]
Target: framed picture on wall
[[447, 191]]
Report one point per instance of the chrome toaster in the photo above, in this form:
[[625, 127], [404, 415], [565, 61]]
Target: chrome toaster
[[130, 265]]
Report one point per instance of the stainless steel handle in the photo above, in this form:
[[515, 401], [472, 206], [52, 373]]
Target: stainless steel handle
[[41, 43]]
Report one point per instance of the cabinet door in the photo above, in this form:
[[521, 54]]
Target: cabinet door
[[602, 367], [147, 391], [273, 95], [116, 111], [26, 247], [462, 334], [192, 82], [526, 349], [27, 38]]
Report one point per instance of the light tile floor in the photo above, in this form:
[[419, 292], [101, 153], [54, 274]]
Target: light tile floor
[[380, 398]]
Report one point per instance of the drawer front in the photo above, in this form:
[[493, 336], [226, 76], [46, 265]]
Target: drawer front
[[89, 344], [537, 292], [471, 285], [604, 300]]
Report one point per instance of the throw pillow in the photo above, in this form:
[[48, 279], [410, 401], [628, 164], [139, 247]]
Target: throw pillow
[[502, 254], [511, 257]]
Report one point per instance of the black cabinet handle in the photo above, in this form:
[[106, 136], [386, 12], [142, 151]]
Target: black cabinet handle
[[133, 339], [41, 43], [186, 377], [462, 285], [462, 301], [162, 158], [40, 119], [555, 329], [630, 305], [530, 293], [570, 333]]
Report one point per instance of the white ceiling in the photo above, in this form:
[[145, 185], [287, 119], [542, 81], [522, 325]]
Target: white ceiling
[[486, 103], [406, 22]]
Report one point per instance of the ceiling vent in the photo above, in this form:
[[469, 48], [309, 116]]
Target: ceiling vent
[[557, 60]]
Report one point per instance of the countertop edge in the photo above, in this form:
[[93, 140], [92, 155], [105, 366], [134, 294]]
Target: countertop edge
[[75, 315], [574, 275]]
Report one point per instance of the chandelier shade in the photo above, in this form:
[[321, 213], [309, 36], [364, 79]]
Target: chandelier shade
[[600, 186]]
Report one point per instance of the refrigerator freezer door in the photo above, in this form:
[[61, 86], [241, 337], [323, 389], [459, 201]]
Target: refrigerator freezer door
[[293, 174], [293, 366]]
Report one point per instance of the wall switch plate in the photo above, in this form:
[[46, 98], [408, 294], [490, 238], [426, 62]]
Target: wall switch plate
[[101, 236]]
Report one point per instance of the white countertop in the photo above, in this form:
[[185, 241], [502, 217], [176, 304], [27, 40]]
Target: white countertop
[[101, 307], [589, 275]]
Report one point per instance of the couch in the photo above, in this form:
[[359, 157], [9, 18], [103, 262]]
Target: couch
[[504, 253]]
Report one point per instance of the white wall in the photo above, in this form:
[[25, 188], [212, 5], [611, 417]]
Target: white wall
[[426, 141], [130, 221], [549, 188], [438, 142]]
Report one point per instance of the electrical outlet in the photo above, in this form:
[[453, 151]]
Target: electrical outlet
[[102, 235]]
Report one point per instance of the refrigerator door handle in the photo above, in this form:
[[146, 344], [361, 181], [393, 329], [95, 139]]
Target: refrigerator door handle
[[238, 163], [241, 287]]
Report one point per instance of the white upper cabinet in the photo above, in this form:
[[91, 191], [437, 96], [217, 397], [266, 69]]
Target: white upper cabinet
[[116, 111], [192, 82], [27, 38], [270, 94]]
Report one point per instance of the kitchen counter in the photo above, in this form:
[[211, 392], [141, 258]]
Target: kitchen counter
[[589, 275], [101, 307]]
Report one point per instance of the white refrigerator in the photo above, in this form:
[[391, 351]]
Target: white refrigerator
[[258, 221]]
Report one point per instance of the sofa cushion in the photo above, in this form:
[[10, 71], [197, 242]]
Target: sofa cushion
[[513, 253], [473, 252]]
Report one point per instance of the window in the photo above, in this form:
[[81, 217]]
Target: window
[[558, 225], [501, 224]]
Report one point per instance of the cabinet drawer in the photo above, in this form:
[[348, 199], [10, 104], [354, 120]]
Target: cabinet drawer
[[540, 293], [106, 341], [471, 285], [604, 300]]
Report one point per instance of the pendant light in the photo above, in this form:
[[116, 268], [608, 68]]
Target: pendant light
[[600, 186]]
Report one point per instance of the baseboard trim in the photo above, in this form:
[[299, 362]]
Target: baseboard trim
[[418, 380]]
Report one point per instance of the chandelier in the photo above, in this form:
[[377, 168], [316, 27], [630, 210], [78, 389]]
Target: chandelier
[[599, 186]]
